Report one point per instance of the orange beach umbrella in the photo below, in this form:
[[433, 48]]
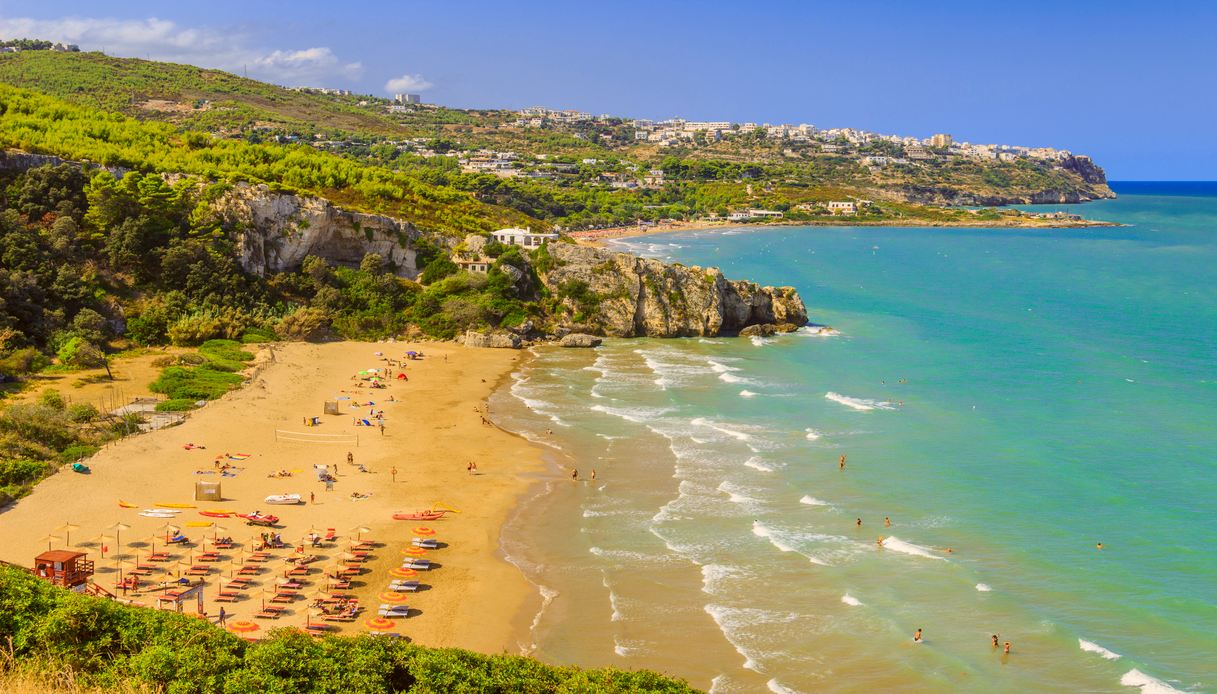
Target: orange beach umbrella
[[380, 624], [243, 626], [393, 596], [423, 530], [401, 572], [414, 551]]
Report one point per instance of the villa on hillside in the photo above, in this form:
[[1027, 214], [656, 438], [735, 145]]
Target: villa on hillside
[[524, 238], [481, 265], [839, 207]]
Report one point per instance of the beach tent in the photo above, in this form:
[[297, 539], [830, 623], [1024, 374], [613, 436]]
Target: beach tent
[[207, 491], [331, 407]]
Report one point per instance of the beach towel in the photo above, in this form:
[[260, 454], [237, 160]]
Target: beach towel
[[228, 474], [204, 472], [239, 456]]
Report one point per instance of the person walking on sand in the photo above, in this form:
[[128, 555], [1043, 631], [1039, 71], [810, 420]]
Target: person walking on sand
[[593, 473], [312, 497], [917, 636], [350, 458], [393, 473], [223, 616], [469, 468], [841, 461], [574, 474], [382, 427]]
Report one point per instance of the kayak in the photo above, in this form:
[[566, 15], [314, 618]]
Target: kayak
[[420, 515], [156, 515], [283, 499], [164, 505], [215, 514], [124, 504], [164, 511]]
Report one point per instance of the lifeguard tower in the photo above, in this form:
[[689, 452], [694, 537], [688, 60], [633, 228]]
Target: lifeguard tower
[[64, 568]]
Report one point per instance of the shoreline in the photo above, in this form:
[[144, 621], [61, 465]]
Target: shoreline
[[433, 429], [597, 237]]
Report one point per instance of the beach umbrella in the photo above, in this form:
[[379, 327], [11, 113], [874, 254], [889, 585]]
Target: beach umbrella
[[392, 596], [380, 624], [414, 551], [402, 572], [49, 539], [360, 530], [243, 626], [423, 530], [67, 529], [216, 530]]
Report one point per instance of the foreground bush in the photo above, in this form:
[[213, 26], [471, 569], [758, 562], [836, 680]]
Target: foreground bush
[[112, 646]]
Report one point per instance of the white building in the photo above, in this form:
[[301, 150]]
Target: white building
[[408, 98], [839, 207], [523, 238], [481, 265]]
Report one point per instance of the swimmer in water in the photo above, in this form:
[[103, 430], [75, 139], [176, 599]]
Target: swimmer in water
[[1006, 650], [841, 461], [995, 644], [1099, 546], [887, 521], [880, 541], [917, 636], [859, 522]]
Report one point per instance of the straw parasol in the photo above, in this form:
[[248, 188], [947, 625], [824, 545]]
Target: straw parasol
[[424, 530], [393, 596], [380, 624], [360, 530], [67, 529], [402, 572], [49, 539]]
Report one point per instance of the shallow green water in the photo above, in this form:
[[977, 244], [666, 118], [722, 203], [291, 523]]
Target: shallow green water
[[1016, 396]]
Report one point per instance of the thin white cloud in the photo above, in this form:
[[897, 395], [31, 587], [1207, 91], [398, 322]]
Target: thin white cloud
[[214, 47], [407, 83]]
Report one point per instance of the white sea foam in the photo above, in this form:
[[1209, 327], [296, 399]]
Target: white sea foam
[[812, 434], [851, 600], [756, 464], [735, 493], [895, 544], [731, 378], [731, 620], [626, 555], [812, 501], [733, 433], [1092, 647], [757, 341], [617, 616], [638, 415], [983, 587], [1147, 684], [627, 648], [713, 574], [747, 394], [860, 404], [779, 688], [782, 541], [720, 368], [817, 331]]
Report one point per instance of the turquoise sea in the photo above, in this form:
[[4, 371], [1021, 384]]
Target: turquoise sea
[[1016, 396]]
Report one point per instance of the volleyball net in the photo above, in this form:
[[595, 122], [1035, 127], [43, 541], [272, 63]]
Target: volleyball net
[[310, 437]]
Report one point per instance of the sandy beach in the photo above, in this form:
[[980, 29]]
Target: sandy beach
[[433, 430]]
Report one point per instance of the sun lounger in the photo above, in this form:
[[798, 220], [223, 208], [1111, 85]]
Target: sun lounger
[[417, 564], [299, 571], [425, 543], [266, 615], [338, 618], [158, 556], [140, 572], [284, 597], [404, 586], [393, 611], [330, 535], [228, 597]]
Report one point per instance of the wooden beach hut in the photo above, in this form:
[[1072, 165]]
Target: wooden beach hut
[[64, 567]]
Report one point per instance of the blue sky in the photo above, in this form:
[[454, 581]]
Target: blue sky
[[1134, 84]]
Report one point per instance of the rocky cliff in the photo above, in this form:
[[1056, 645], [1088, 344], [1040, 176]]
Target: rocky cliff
[[276, 231], [634, 297]]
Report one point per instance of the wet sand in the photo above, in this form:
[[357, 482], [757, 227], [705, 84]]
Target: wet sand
[[432, 432]]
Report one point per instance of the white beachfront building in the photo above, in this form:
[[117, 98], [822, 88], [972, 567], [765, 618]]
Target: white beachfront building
[[524, 238]]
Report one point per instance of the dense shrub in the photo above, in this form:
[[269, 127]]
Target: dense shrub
[[179, 405], [104, 643]]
